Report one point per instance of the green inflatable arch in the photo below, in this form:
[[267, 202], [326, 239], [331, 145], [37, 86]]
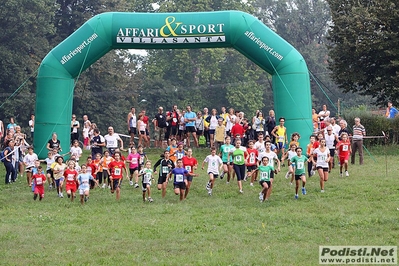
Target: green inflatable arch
[[245, 33]]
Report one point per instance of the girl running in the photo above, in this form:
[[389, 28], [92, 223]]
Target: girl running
[[323, 157]]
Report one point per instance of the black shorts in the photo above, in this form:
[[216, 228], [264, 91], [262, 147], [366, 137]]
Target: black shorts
[[116, 183], [332, 152], [325, 169], [230, 163], [162, 179], [251, 168], [190, 129], [142, 132], [144, 186], [211, 131], [271, 174], [131, 170], [199, 132], [214, 175], [267, 182], [132, 130], [190, 178], [180, 185], [147, 133], [173, 130], [299, 177], [50, 172], [112, 150]]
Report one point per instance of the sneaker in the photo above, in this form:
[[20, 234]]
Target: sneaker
[[61, 195], [252, 184], [260, 196], [241, 191], [296, 196], [34, 196], [312, 172], [69, 196], [303, 191], [136, 185], [86, 199], [103, 186], [346, 173], [227, 182], [131, 182], [290, 183], [145, 200], [109, 186], [222, 175], [150, 199], [50, 186], [287, 175], [322, 191], [340, 174]]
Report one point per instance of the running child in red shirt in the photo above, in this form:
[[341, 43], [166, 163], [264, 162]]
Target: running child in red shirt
[[190, 164], [344, 150], [38, 180], [251, 162], [71, 175], [115, 171]]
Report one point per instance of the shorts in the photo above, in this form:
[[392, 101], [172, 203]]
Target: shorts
[[50, 172], [190, 129], [71, 187], [83, 189], [112, 150], [230, 163], [332, 152], [299, 177], [132, 170], [267, 182], [173, 131], [160, 134], [271, 174], [190, 177], [280, 145], [142, 132], [39, 190], [116, 183], [29, 169], [199, 132], [86, 141], [180, 185], [214, 175], [132, 130], [342, 159], [251, 168], [161, 179], [211, 131], [57, 181], [147, 133], [144, 186], [325, 169]]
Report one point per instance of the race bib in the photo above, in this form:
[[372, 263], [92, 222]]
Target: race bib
[[238, 158], [264, 175], [323, 157], [213, 164], [147, 176], [252, 158], [174, 120], [39, 181], [165, 169], [179, 155], [226, 150], [179, 178], [188, 168], [117, 171], [134, 160], [345, 148], [70, 177], [111, 143], [299, 165], [280, 138]]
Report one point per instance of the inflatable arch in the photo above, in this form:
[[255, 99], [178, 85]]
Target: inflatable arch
[[114, 30]]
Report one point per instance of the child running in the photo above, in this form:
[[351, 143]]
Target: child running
[[179, 179], [224, 154], [214, 163], [71, 175], [58, 171], [115, 172], [289, 154], [251, 162], [323, 157], [134, 160], [190, 164], [265, 170], [298, 163], [147, 177], [344, 150], [38, 180], [84, 179], [166, 166]]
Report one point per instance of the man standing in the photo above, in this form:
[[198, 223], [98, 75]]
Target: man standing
[[357, 141], [189, 119], [112, 139], [74, 128], [206, 126], [131, 124], [172, 120], [391, 111], [31, 126], [323, 114], [336, 128], [160, 129]]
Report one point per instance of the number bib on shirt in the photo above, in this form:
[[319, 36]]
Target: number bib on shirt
[[39, 181], [299, 165], [264, 176], [280, 138], [179, 178], [252, 158], [237, 159], [165, 169], [117, 171], [179, 155], [188, 168], [345, 147]]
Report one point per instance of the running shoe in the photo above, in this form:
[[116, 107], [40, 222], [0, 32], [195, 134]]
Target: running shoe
[[303, 191], [296, 196], [241, 191], [131, 182], [61, 195], [150, 199], [322, 191], [260, 196], [136, 185], [287, 175], [340, 174], [222, 175], [312, 172], [86, 199], [103, 186], [210, 192], [346, 173], [251, 184]]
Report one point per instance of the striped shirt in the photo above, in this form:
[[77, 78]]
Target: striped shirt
[[358, 132]]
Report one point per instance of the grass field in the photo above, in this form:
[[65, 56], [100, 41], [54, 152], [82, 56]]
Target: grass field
[[227, 228]]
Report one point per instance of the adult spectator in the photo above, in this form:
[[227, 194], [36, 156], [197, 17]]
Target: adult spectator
[[111, 140], [172, 118], [54, 143], [343, 128], [11, 126], [86, 120], [391, 111], [11, 173], [212, 121], [132, 124], [146, 121], [199, 124], [19, 141], [237, 131], [315, 120], [223, 114], [270, 124], [97, 143], [231, 118], [74, 128], [160, 129], [1, 130], [259, 123], [336, 128], [323, 114], [32, 126], [189, 119], [357, 141], [206, 126], [331, 139]]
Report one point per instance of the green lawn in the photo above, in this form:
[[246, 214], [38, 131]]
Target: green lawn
[[227, 228]]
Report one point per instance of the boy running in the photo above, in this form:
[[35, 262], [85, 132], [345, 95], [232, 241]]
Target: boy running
[[180, 179], [214, 163], [265, 172], [166, 166], [344, 150], [115, 171], [298, 163], [146, 174], [38, 180]]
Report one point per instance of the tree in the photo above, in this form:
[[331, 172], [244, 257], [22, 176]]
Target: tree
[[364, 48]]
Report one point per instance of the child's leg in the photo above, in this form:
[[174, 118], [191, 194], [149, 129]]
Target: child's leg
[[303, 177], [296, 187], [265, 190], [177, 191], [182, 191], [269, 189], [136, 176]]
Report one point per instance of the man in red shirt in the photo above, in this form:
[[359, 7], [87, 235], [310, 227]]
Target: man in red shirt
[[237, 129], [172, 118], [115, 172]]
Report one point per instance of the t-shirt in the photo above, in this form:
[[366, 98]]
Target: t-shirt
[[260, 146], [146, 175], [190, 115], [54, 144], [299, 164], [239, 155], [213, 164], [189, 163], [116, 169], [225, 150], [161, 120], [70, 176], [112, 140], [39, 179], [166, 166], [343, 148], [30, 159], [49, 162], [61, 169], [179, 175], [134, 159], [251, 159], [76, 151], [97, 140], [179, 154], [322, 157], [264, 172], [83, 179], [271, 155]]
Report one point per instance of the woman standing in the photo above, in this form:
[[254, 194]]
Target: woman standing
[[213, 123], [11, 173]]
